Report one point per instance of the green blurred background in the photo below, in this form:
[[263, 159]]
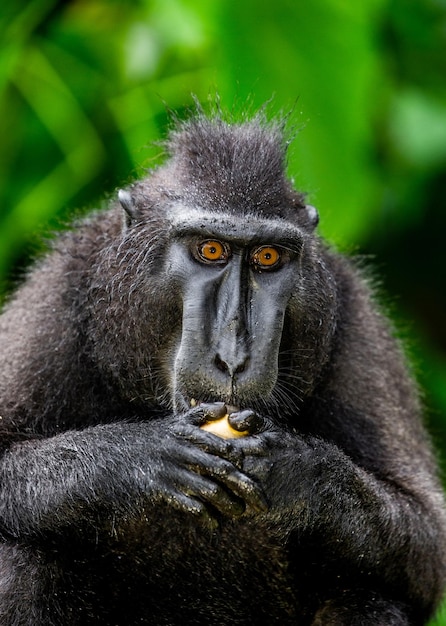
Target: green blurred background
[[86, 88]]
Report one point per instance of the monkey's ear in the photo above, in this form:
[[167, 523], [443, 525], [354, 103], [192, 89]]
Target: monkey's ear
[[312, 215], [131, 212]]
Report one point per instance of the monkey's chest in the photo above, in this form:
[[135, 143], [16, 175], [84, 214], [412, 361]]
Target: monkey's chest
[[189, 575]]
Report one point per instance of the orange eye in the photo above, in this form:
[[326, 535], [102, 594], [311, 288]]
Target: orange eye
[[213, 251], [266, 257]]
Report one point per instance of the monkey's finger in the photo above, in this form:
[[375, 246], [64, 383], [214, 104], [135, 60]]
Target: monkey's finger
[[246, 420], [249, 491], [222, 470], [201, 413], [194, 416], [192, 506], [253, 446], [237, 482], [198, 486], [267, 438], [210, 443], [213, 411]]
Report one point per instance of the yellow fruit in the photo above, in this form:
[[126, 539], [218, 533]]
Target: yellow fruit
[[222, 428]]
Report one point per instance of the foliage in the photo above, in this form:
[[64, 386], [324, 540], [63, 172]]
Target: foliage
[[88, 86]]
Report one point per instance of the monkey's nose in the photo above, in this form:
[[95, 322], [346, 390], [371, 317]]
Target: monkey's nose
[[231, 366]]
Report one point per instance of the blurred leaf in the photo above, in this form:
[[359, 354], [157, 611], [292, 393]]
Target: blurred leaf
[[59, 110], [82, 152], [418, 128], [440, 618]]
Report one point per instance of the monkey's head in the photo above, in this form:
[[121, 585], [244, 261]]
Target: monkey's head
[[227, 295]]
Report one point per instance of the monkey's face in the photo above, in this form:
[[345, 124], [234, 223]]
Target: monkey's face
[[244, 315], [236, 277]]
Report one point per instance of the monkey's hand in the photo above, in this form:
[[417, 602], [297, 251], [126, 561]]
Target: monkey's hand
[[357, 518], [219, 460], [201, 473], [79, 479], [204, 470]]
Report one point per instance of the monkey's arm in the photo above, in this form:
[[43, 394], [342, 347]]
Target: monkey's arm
[[376, 527], [358, 473], [78, 479]]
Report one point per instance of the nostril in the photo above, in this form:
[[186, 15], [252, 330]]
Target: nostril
[[224, 367], [241, 368], [221, 365]]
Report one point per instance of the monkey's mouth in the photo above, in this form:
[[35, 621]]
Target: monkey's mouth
[[230, 408]]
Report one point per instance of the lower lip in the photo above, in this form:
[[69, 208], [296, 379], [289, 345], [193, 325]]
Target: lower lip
[[229, 408]]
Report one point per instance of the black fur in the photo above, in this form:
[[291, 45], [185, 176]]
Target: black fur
[[116, 508]]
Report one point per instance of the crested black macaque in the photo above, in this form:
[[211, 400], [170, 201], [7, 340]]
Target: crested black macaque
[[205, 291]]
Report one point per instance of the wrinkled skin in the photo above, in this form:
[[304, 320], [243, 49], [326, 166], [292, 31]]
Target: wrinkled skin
[[212, 296]]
